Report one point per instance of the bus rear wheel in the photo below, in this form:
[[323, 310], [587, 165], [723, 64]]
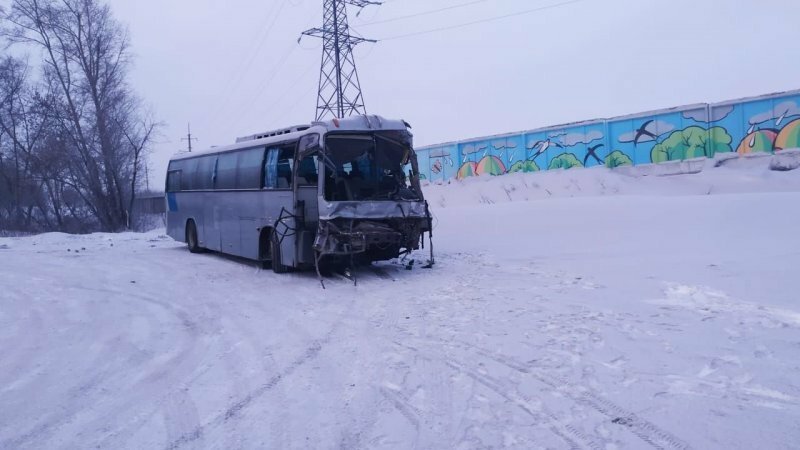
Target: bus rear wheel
[[275, 251], [191, 237]]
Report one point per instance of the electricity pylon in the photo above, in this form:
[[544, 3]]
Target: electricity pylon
[[339, 92]]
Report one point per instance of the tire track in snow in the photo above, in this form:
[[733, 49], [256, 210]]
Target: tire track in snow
[[401, 404], [84, 394], [179, 411], [383, 315], [17, 359], [180, 415], [642, 428], [570, 436], [278, 430], [235, 410], [178, 365]]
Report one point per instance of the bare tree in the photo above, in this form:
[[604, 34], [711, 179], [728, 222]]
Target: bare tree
[[22, 128], [34, 155], [86, 57]]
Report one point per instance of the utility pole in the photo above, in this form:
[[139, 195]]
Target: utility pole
[[147, 174], [339, 92], [189, 136]]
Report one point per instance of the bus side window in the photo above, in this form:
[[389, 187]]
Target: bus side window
[[226, 171], [189, 169], [204, 176], [174, 181], [249, 168], [285, 163], [271, 169]]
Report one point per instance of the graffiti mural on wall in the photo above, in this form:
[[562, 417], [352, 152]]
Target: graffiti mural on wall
[[767, 132], [767, 124]]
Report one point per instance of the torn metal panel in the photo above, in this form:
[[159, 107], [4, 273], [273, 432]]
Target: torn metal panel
[[371, 210]]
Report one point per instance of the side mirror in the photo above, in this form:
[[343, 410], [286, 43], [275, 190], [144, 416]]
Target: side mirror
[[308, 144]]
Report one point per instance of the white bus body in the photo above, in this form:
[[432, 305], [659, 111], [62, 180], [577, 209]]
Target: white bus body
[[334, 190]]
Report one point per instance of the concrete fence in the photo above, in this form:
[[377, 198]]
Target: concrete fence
[[669, 137]]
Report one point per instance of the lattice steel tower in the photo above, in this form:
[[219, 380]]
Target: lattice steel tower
[[339, 88]]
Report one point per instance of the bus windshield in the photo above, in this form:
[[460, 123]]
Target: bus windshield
[[367, 167]]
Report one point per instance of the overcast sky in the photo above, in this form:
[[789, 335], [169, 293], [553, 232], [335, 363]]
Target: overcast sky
[[216, 63]]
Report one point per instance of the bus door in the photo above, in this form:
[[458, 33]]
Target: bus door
[[306, 205], [278, 181], [211, 212]]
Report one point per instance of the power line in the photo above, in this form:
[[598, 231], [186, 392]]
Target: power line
[[297, 103], [279, 65], [291, 89], [263, 86], [424, 13], [263, 39], [243, 69], [476, 22]]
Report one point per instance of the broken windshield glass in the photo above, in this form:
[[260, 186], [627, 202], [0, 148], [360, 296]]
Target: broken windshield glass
[[367, 167]]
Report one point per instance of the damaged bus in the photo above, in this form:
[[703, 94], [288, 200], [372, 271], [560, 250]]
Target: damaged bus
[[335, 193]]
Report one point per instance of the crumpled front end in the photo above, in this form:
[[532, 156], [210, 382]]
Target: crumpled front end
[[372, 210], [371, 204], [374, 231]]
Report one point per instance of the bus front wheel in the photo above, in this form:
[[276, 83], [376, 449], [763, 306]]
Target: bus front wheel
[[275, 250], [191, 237]]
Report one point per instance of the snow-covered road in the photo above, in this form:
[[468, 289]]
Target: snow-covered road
[[598, 322]]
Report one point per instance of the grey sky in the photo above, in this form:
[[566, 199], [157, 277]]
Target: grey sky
[[210, 62]]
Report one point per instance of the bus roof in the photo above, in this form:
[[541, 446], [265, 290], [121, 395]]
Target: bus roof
[[354, 123]]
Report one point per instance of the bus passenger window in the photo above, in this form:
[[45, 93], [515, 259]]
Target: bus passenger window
[[271, 169], [226, 171], [204, 177], [278, 168], [174, 181], [285, 163], [249, 168], [307, 174], [189, 168]]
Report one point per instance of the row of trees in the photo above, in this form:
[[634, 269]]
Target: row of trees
[[73, 134]]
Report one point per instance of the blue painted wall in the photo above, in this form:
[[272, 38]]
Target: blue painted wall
[[764, 124]]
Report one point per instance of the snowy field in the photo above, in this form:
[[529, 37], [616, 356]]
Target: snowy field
[[581, 309]]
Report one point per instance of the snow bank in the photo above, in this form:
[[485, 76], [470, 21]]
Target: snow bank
[[737, 175], [786, 160]]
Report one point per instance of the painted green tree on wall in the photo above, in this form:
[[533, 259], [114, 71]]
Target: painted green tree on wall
[[524, 166], [618, 159], [692, 142], [565, 161]]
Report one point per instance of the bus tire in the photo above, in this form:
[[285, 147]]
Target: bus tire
[[191, 237], [265, 248], [275, 253]]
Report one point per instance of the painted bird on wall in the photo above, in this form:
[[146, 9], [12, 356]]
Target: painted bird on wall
[[542, 146], [643, 131], [592, 151]]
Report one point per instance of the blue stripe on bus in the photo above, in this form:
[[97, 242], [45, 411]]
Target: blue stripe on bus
[[172, 202]]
